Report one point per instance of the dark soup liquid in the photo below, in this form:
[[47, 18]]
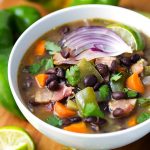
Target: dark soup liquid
[[88, 76]]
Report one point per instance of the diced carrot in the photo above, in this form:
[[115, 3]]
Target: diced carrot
[[41, 79], [77, 127], [62, 111], [132, 121], [40, 48], [134, 83]]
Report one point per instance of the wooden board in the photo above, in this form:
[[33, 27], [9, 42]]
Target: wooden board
[[43, 143]]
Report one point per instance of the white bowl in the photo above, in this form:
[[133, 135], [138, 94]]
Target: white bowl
[[82, 141]]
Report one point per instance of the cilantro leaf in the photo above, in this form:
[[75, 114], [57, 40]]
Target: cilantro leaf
[[54, 121], [116, 77], [130, 93], [34, 68], [49, 64], [143, 117], [52, 47]]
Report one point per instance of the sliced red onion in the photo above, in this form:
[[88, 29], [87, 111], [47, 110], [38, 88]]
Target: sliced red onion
[[97, 39]]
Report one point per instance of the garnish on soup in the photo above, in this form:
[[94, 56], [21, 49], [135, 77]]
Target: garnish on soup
[[88, 79]]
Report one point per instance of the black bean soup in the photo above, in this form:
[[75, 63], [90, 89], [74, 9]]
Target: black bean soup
[[88, 76]]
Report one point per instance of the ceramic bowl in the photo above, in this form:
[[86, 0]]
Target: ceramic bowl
[[81, 141]]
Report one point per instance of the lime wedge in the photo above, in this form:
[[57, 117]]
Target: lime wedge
[[14, 138], [131, 36]]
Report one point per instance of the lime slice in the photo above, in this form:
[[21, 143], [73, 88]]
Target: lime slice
[[131, 36], [14, 138]]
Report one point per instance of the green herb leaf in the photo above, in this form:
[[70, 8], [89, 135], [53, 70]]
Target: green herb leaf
[[43, 62], [143, 117], [54, 121], [49, 64], [104, 92], [34, 68], [116, 77], [143, 101], [52, 47], [130, 93], [73, 75]]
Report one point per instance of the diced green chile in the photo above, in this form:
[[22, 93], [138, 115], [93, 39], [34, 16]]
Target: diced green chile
[[73, 75], [86, 68], [104, 92], [146, 70], [87, 104], [119, 85], [143, 101]]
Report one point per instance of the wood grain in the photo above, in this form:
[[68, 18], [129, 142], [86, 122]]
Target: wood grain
[[44, 143]]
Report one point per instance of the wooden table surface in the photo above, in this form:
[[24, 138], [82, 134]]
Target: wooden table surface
[[41, 141]]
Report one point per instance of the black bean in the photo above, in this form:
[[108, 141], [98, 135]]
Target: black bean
[[64, 30], [51, 77], [90, 120], [53, 85], [135, 57], [90, 80], [103, 69], [101, 121], [27, 83], [51, 71], [65, 53], [104, 106], [60, 73], [97, 86], [118, 112], [114, 66], [118, 95], [126, 61], [68, 121]]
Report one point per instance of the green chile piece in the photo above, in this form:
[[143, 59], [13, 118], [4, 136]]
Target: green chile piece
[[146, 70], [86, 68], [6, 98], [87, 104], [119, 85], [24, 16], [107, 2], [6, 37], [73, 75]]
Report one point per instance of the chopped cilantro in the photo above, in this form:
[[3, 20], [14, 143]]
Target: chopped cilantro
[[116, 77], [49, 64], [143, 117], [54, 121], [34, 68], [52, 47]]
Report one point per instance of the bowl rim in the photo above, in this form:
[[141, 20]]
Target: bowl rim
[[39, 121]]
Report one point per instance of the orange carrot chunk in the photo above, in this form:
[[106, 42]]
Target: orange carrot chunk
[[40, 48], [41, 79], [77, 127], [134, 83], [62, 111], [132, 121]]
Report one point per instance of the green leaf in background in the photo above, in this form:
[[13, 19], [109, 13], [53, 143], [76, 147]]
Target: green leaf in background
[[106, 2], [6, 97], [52, 47], [54, 121], [143, 117]]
